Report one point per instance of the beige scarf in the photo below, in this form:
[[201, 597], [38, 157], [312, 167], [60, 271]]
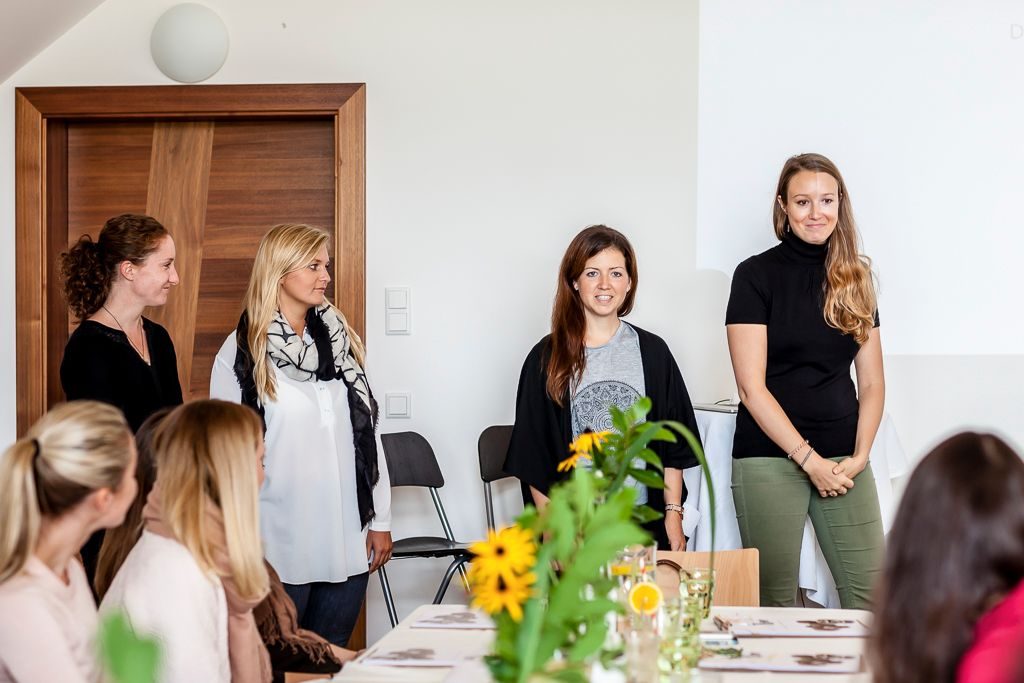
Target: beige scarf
[[250, 662]]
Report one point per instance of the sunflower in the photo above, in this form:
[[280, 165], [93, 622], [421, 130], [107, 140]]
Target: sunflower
[[571, 462], [500, 592], [587, 442], [505, 553]]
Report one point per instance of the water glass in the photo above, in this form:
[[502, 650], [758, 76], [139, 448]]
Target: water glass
[[680, 635], [698, 583], [641, 650]]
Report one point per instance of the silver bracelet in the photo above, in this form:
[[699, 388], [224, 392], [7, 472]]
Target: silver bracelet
[[673, 507], [795, 450], [806, 457]]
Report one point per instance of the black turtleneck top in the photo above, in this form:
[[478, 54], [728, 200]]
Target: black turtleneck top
[[808, 365]]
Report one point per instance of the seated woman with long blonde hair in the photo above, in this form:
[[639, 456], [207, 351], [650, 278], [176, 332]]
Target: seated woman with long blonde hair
[[70, 475], [197, 571], [295, 653]]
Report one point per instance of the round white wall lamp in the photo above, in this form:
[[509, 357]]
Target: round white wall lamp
[[189, 43]]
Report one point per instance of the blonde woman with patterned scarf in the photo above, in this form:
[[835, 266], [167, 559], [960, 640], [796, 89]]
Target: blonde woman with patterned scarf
[[196, 573], [325, 509]]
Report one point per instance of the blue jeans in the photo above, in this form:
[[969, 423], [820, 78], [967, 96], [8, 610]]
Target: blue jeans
[[329, 609]]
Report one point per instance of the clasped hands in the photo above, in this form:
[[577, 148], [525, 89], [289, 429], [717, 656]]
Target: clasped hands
[[834, 479]]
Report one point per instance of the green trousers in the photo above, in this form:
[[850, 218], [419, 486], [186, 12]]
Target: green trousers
[[773, 497]]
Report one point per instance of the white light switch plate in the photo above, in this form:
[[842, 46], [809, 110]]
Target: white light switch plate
[[398, 405], [397, 311]]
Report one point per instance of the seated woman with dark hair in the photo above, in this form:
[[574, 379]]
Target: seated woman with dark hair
[[951, 602]]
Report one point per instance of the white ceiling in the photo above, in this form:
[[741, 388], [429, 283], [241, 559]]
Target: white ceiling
[[28, 26]]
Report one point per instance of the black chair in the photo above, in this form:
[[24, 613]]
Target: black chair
[[411, 462], [492, 447]]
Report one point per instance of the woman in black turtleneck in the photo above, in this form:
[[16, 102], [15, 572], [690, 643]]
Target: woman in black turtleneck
[[799, 314]]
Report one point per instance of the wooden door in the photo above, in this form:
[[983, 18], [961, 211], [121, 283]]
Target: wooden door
[[217, 165], [217, 186]]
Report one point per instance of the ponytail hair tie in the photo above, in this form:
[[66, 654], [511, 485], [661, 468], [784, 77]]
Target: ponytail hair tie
[[36, 448]]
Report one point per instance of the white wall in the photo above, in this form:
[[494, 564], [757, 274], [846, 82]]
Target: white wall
[[919, 104], [494, 132]]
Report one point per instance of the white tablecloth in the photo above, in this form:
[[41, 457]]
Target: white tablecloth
[[404, 636], [888, 461]]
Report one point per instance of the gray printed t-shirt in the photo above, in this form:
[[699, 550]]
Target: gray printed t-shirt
[[614, 375]]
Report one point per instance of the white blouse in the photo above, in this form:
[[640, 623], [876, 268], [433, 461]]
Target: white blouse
[[309, 513], [166, 595]]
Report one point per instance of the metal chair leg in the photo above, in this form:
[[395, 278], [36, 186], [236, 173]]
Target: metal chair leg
[[464, 575], [389, 600], [452, 568]]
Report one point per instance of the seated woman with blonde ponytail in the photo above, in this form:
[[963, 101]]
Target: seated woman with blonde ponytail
[[71, 474], [196, 573]]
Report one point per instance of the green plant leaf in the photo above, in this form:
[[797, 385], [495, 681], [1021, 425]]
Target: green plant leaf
[[127, 657], [619, 420], [664, 434], [647, 478], [642, 514], [651, 458], [637, 412], [643, 437], [560, 523], [589, 642]]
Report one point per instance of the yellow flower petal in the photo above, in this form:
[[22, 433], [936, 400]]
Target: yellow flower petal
[[588, 442], [505, 553]]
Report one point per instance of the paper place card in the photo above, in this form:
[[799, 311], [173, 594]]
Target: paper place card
[[744, 626], [803, 663], [469, 619], [415, 657]]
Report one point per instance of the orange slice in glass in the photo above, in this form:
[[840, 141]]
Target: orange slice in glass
[[645, 598]]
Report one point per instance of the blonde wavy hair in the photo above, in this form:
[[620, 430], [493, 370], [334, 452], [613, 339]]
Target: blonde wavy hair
[[285, 248], [206, 452], [850, 299], [84, 446]]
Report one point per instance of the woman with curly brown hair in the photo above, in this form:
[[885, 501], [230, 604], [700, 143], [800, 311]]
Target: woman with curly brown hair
[[115, 355], [799, 315]]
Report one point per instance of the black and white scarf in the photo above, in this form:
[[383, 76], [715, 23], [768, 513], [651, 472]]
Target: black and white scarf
[[329, 356]]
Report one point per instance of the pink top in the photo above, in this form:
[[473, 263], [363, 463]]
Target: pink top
[[47, 627], [997, 653]]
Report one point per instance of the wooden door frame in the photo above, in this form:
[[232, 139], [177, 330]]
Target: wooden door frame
[[41, 211]]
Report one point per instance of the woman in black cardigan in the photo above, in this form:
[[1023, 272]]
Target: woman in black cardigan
[[115, 355], [593, 359]]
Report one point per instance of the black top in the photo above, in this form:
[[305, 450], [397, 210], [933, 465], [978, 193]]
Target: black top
[[543, 430], [100, 364], [808, 365]]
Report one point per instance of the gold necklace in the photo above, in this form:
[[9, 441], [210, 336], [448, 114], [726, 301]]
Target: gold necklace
[[142, 351]]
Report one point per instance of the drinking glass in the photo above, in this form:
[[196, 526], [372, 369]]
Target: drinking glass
[[680, 636], [641, 650], [698, 583]]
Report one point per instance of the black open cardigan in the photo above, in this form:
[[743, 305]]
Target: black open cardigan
[[543, 430]]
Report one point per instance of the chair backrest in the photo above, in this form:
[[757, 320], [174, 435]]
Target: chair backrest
[[736, 574], [411, 460], [492, 448]]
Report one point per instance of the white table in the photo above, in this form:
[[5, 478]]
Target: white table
[[717, 427], [475, 671]]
